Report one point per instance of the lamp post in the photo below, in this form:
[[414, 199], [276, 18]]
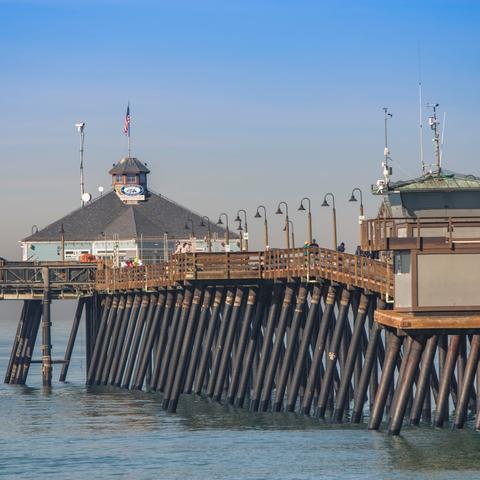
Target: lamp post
[[353, 198], [227, 233], [209, 233], [301, 208], [62, 241], [104, 235], [188, 228], [287, 225], [240, 229], [326, 204], [292, 231], [265, 223], [238, 219]]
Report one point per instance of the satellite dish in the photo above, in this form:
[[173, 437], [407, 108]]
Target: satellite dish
[[86, 197], [100, 189]]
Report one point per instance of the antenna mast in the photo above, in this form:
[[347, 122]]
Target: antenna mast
[[443, 136], [81, 131], [433, 122], [420, 116], [387, 170]]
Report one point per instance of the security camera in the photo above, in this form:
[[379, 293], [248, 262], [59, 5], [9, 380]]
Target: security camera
[[80, 126]]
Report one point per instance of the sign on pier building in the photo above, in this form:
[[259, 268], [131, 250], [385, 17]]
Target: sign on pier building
[[431, 228], [130, 221]]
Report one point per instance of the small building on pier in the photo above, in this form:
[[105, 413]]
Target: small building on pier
[[130, 221], [431, 226]]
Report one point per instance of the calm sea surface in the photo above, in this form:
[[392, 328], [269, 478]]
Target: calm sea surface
[[75, 432]]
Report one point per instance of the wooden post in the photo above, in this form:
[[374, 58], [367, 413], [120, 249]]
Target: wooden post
[[46, 331], [71, 339]]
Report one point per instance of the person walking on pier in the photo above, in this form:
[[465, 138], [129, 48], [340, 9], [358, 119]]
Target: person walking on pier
[[341, 248]]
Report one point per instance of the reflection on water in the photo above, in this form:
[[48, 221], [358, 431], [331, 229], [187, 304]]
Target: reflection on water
[[73, 432]]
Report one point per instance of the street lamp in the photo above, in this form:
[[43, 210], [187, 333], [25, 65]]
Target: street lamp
[[354, 199], [287, 225], [190, 228], [290, 223], [209, 233], [301, 208], [240, 229], [238, 219], [227, 233], [265, 223], [104, 235], [326, 204]]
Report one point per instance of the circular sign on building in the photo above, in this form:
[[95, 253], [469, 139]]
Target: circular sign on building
[[132, 190]]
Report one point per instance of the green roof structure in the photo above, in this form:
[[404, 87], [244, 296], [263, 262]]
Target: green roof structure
[[437, 181]]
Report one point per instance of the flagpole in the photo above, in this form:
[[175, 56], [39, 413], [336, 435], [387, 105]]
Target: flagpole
[[129, 142]]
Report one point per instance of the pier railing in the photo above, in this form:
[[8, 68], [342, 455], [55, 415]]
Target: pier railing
[[410, 233], [307, 264], [61, 277]]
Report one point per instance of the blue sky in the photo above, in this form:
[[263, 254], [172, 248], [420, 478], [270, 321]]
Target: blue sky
[[234, 103]]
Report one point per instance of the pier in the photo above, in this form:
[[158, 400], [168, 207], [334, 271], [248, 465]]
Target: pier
[[310, 331]]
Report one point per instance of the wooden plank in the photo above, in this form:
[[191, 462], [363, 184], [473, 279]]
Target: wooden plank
[[405, 321]]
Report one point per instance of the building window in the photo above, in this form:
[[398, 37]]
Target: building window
[[119, 178], [131, 179], [142, 178]]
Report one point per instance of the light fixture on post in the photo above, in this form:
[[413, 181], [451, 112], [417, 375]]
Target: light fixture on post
[[238, 219], [292, 232], [189, 220], [227, 233], [209, 232], [240, 229], [265, 223], [301, 208], [326, 204], [353, 198], [287, 226]]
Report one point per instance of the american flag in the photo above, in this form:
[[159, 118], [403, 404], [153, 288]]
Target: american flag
[[126, 123]]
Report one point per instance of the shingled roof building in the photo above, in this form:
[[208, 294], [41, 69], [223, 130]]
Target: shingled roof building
[[129, 221]]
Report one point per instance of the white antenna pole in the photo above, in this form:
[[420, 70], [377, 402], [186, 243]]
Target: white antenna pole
[[434, 126], [443, 136], [386, 151], [420, 109], [81, 131], [420, 116]]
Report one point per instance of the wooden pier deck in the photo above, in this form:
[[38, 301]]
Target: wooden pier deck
[[281, 330]]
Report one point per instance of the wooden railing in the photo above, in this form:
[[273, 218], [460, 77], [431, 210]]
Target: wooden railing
[[20, 276], [391, 233], [307, 264]]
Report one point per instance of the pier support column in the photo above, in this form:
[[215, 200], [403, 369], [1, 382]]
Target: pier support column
[[423, 383], [404, 388], [467, 384], [303, 352], [376, 415], [46, 332], [352, 356], [320, 343], [441, 413], [71, 340], [266, 347], [291, 344]]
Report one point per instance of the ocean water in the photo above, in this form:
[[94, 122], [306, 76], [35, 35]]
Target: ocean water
[[75, 432]]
